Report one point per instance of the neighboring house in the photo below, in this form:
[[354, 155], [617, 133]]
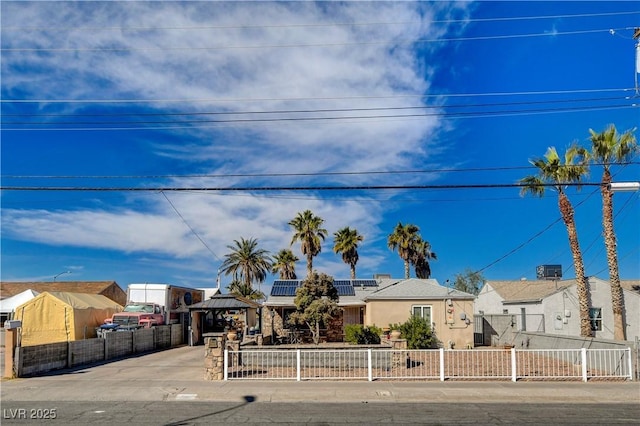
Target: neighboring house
[[55, 316], [109, 289], [552, 306], [382, 302]]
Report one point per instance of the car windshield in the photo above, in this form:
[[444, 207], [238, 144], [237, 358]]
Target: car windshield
[[139, 308]]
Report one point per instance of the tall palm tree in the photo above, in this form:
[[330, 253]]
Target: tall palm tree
[[553, 171], [608, 148], [284, 263], [246, 262], [404, 238], [421, 257], [346, 241], [309, 231]]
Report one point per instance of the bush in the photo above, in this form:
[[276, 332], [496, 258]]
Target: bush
[[361, 335], [417, 332]]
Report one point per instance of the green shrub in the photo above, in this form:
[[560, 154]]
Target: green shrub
[[361, 335], [417, 332]]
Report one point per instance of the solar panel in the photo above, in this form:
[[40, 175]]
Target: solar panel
[[345, 290], [356, 283], [284, 287]]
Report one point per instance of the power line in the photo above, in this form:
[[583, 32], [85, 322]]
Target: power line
[[288, 46], [209, 123], [290, 188], [298, 111], [313, 25], [323, 98], [189, 226], [309, 174]]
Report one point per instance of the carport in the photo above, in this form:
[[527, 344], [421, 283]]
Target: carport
[[222, 313]]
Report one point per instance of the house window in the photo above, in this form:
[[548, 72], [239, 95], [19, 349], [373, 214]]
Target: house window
[[595, 317], [422, 312]]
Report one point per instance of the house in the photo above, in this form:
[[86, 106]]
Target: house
[[381, 302], [551, 306], [56, 316], [110, 289]]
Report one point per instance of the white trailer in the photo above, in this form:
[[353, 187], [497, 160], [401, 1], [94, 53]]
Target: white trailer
[[174, 299]]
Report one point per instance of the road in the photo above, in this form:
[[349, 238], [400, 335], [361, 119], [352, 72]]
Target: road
[[256, 412], [167, 388]]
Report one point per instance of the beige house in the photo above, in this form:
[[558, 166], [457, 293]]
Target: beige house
[[381, 302]]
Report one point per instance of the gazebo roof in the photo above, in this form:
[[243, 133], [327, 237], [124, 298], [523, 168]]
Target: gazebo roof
[[224, 301]]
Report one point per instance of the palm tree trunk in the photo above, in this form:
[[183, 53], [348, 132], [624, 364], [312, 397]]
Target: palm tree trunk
[[353, 272], [407, 270], [582, 285], [617, 295], [309, 265]]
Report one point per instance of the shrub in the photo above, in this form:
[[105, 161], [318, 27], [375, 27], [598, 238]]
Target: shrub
[[417, 332], [361, 335]]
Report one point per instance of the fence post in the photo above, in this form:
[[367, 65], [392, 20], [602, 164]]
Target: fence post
[[298, 365], [584, 364], [370, 366], [514, 366], [630, 364], [226, 363], [441, 364]]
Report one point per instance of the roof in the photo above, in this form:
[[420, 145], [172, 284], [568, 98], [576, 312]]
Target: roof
[[631, 285], [416, 288], [224, 301], [521, 291], [79, 300], [8, 289], [387, 289]]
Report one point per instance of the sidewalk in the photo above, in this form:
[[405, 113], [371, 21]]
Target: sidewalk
[[178, 374]]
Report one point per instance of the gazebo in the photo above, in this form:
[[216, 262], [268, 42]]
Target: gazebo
[[222, 313]]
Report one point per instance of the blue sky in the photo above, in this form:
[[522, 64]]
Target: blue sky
[[305, 94]]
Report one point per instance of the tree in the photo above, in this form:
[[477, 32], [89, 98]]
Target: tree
[[404, 238], [247, 263], [240, 288], [316, 303], [309, 231], [420, 258], [609, 148], [469, 281], [284, 263], [553, 171], [346, 242]]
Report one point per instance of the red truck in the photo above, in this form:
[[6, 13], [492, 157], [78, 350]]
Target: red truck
[[136, 315]]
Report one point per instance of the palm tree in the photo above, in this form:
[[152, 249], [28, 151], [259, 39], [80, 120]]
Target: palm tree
[[284, 263], [346, 241], [247, 263], [242, 289], [609, 148], [404, 238], [421, 257], [308, 230], [553, 171]]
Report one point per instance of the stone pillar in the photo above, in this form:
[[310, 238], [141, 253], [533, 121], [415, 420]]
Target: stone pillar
[[214, 358]]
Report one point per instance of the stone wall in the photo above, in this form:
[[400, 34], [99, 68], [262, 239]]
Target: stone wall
[[214, 357]]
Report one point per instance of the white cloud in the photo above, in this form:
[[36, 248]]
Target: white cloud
[[342, 67]]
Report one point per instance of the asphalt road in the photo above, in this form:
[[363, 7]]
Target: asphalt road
[[315, 413]]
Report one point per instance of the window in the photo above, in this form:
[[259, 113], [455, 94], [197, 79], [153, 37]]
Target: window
[[422, 312], [595, 317]]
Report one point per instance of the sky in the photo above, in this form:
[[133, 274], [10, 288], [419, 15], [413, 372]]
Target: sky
[[172, 104]]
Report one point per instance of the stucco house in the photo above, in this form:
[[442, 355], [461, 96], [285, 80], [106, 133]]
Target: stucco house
[[551, 306], [381, 302]]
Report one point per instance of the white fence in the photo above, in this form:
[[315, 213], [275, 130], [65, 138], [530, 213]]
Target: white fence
[[376, 364]]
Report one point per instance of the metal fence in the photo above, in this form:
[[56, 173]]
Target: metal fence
[[401, 364]]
